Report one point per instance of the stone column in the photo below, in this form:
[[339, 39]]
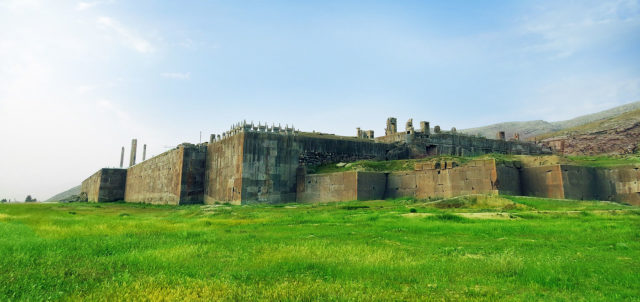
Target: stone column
[[122, 157], [144, 152], [132, 158]]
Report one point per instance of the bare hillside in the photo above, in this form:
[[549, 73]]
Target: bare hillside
[[614, 135], [530, 129]]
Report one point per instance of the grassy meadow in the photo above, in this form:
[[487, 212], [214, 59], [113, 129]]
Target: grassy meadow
[[474, 248]]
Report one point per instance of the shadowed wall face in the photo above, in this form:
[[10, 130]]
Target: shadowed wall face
[[545, 181], [193, 174], [105, 185]]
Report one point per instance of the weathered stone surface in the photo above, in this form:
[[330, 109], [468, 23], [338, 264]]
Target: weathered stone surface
[[223, 174], [105, 185], [445, 180], [173, 177], [270, 161], [341, 186]]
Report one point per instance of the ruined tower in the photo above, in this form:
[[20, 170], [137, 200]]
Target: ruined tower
[[500, 136], [424, 128], [392, 126], [409, 126], [132, 158]]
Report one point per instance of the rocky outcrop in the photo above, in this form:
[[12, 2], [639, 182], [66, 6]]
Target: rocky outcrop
[[619, 135]]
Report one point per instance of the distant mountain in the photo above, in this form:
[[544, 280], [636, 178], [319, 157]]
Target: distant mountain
[[530, 129], [619, 134], [68, 193]]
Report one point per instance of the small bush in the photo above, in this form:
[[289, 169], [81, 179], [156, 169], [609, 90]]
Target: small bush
[[450, 217], [353, 207], [413, 210]]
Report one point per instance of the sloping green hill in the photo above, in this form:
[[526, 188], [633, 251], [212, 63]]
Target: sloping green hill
[[73, 191]]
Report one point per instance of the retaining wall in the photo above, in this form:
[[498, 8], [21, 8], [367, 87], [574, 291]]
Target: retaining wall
[[174, 177], [270, 161], [105, 185]]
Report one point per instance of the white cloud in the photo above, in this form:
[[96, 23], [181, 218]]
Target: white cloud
[[52, 96], [85, 5], [127, 36], [565, 28], [176, 75], [579, 95]]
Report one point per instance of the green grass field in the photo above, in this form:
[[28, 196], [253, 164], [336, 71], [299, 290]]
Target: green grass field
[[476, 248]]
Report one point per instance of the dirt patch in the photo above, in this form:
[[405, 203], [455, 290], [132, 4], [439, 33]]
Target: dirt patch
[[417, 215], [478, 201], [502, 216]]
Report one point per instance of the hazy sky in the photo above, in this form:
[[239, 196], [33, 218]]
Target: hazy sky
[[79, 79]]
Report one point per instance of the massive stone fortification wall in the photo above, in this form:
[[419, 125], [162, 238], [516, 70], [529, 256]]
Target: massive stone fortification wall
[[105, 185], [622, 183], [431, 180], [544, 181], [428, 180], [450, 143], [342, 186], [193, 174], [579, 182], [223, 172], [173, 177], [91, 186], [271, 160], [339, 186]]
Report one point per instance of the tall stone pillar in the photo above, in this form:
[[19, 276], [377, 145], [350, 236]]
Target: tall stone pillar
[[144, 152], [132, 159], [122, 157]]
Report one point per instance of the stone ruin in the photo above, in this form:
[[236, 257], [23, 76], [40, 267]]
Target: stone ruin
[[258, 163]]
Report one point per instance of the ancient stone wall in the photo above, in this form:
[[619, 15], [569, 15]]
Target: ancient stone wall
[[193, 174], [544, 181], [223, 171], [508, 178], [622, 184], [91, 186], [451, 143], [429, 180], [156, 180], [341, 186], [371, 185], [173, 177], [444, 180], [581, 183], [270, 161], [105, 185]]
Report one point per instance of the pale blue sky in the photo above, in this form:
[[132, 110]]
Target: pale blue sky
[[79, 79]]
